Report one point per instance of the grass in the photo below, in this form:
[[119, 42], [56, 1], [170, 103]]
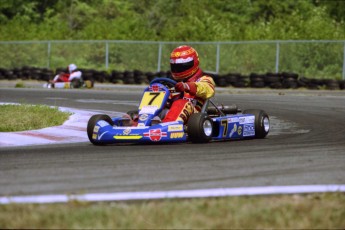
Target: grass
[[14, 117], [312, 211], [20, 84]]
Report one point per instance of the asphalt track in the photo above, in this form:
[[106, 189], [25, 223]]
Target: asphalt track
[[306, 146]]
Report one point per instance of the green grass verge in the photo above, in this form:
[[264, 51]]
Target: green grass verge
[[22, 117], [312, 211]]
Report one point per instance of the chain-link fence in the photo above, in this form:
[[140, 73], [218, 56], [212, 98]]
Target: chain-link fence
[[312, 59]]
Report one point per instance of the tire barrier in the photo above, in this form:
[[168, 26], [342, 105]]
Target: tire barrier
[[284, 80], [26, 73]]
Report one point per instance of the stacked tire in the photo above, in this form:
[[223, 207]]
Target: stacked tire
[[257, 80], [284, 80]]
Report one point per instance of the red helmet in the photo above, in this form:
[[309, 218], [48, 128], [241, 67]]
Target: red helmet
[[184, 62]]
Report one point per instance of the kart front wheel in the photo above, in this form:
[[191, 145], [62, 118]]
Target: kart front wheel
[[92, 123], [262, 122], [200, 128], [89, 84]]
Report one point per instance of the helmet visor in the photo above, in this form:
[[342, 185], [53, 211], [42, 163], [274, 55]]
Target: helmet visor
[[181, 67]]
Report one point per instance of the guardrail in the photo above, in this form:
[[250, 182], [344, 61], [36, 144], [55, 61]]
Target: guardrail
[[320, 59]]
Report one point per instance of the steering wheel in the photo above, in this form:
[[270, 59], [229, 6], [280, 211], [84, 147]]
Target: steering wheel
[[170, 83]]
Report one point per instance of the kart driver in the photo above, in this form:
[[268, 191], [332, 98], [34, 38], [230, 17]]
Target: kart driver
[[197, 87], [72, 73]]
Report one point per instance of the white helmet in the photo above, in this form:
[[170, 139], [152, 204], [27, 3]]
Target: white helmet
[[72, 67]]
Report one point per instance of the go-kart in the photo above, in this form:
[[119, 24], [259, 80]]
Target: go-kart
[[212, 123], [75, 83]]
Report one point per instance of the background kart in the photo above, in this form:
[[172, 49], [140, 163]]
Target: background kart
[[75, 83], [213, 123]]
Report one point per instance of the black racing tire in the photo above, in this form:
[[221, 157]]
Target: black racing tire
[[92, 123], [76, 83], [200, 128], [262, 122]]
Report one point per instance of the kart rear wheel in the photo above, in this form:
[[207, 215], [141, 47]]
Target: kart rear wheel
[[92, 123], [200, 128], [262, 122], [76, 83]]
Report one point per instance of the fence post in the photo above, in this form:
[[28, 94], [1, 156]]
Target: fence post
[[48, 53], [106, 55], [344, 63], [159, 57], [217, 58], [277, 56]]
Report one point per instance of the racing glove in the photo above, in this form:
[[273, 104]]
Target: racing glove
[[188, 87]]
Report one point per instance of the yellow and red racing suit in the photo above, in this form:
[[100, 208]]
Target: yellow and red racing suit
[[201, 87]]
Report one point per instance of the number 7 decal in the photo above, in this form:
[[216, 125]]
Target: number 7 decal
[[154, 97], [224, 123]]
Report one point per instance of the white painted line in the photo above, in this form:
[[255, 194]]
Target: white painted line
[[201, 193]]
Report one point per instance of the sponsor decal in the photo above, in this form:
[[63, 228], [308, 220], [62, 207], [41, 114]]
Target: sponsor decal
[[143, 117], [233, 119], [251, 119], [126, 135], [170, 123], [94, 136], [242, 120], [239, 130], [100, 136], [248, 130], [247, 120], [183, 53], [176, 135], [175, 54], [175, 128], [95, 129], [127, 131], [155, 134], [234, 129], [154, 88], [149, 109]]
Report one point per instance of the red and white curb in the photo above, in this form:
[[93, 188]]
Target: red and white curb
[[72, 131], [201, 193]]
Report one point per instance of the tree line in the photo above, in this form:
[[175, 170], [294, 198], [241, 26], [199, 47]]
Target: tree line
[[172, 20]]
